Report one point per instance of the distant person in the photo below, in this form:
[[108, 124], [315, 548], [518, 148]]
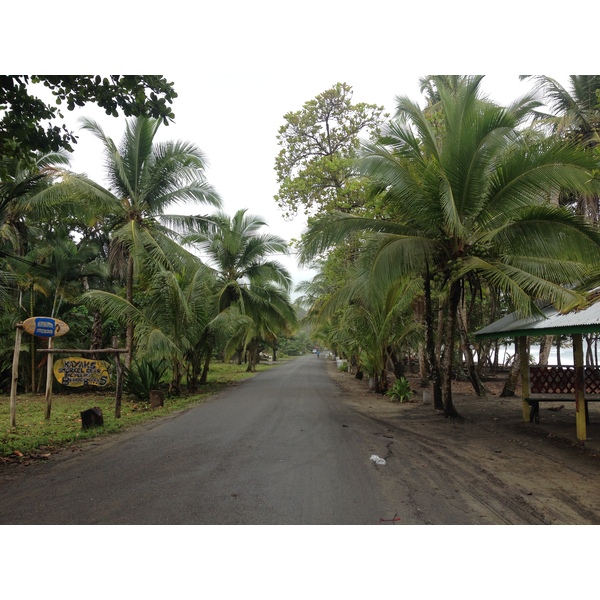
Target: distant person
[[318, 353]]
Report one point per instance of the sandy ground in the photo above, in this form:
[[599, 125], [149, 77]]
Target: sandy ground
[[488, 467]]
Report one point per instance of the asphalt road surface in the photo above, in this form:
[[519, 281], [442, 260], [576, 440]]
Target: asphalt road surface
[[276, 449]]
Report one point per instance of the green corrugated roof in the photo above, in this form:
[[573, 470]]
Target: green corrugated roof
[[551, 323]]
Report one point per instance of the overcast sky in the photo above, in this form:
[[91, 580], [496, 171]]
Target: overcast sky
[[236, 125], [238, 67]]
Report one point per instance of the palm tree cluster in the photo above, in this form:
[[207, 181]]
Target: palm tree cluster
[[175, 290], [483, 215]]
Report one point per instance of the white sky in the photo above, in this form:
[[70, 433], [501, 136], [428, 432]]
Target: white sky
[[238, 67], [233, 116]]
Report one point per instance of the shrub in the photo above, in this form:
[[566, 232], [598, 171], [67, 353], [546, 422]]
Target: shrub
[[144, 376], [400, 391]]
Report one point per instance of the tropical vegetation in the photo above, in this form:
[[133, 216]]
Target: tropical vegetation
[[109, 260], [423, 226], [470, 190]]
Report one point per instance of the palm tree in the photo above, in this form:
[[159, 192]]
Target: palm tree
[[575, 116], [470, 199], [375, 319], [171, 323], [23, 201], [145, 179], [246, 276]]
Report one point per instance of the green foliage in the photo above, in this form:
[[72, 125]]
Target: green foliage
[[143, 376], [315, 167], [343, 366], [27, 123], [469, 193], [295, 345], [400, 391]]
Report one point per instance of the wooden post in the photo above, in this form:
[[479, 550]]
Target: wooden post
[[49, 376], [119, 382], [580, 403], [15, 376], [524, 358]]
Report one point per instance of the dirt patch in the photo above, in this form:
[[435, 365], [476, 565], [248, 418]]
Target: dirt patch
[[488, 466]]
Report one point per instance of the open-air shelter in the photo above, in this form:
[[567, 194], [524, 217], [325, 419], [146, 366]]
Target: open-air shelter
[[578, 382]]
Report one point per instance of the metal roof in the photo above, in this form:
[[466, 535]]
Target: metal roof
[[552, 322]]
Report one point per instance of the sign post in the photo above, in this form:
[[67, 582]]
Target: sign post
[[46, 327], [15, 376], [49, 365]]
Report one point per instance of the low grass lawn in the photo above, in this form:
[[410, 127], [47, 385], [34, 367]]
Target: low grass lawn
[[33, 437]]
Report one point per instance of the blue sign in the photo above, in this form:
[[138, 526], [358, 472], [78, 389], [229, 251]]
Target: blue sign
[[44, 327]]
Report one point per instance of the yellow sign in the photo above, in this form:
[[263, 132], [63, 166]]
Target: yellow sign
[[45, 327], [75, 372]]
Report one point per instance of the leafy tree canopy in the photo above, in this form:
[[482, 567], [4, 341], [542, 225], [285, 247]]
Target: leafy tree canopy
[[27, 122], [319, 144]]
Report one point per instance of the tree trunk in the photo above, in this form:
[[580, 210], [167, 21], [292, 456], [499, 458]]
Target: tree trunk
[[253, 351], [176, 378], [448, 354], [545, 347], [96, 341], [423, 375], [514, 374], [204, 376], [129, 332], [468, 354], [432, 356], [397, 365], [193, 375]]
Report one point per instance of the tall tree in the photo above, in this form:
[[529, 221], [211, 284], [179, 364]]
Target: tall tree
[[574, 116], [470, 199], [315, 166], [146, 178], [247, 276]]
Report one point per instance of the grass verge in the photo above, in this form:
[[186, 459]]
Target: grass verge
[[35, 438]]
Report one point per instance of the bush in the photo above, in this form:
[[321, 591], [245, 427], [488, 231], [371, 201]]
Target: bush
[[400, 391], [343, 366], [144, 376]]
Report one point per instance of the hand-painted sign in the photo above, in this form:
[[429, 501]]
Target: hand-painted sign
[[75, 372], [45, 327]]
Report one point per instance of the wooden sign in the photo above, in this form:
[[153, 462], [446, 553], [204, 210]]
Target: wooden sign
[[75, 372], [46, 327]]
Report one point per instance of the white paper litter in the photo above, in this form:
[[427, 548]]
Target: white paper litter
[[378, 460]]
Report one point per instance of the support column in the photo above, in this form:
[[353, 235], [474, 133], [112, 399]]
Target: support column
[[15, 376], [579, 387], [49, 377], [524, 358]]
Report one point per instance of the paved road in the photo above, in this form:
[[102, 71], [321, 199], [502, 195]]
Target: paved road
[[277, 449]]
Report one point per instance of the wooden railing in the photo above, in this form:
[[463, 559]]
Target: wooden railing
[[548, 379]]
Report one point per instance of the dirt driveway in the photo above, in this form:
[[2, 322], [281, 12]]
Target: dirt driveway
[[489, 466]]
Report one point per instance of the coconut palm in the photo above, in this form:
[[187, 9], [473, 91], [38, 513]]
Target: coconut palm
[[170, 325], [377, 320], [241, 257], [23, 201], [145, 179], [246, 276], [470, 198], [574, 115]]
